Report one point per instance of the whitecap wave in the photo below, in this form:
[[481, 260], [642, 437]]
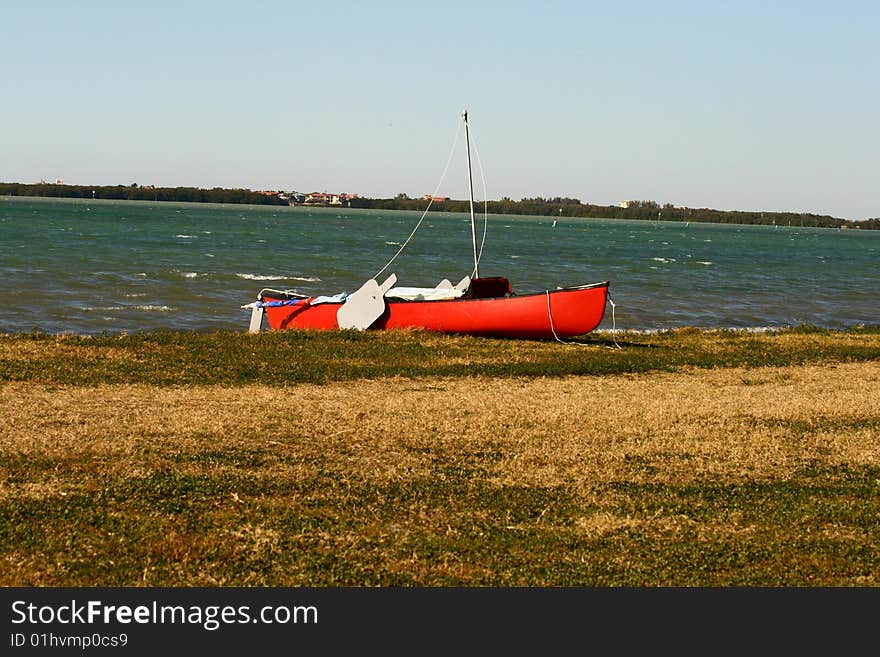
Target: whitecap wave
[[701, 329], [258, 277], [275, 277], [150, 307], [704, 262], [185, 237], [145, 307]]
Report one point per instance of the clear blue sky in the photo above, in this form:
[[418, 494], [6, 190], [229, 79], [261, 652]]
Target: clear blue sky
[[731, 105]]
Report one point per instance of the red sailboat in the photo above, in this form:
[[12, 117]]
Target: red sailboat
[[484, 306]]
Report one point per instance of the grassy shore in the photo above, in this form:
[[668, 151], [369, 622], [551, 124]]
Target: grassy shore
[[411, 459]]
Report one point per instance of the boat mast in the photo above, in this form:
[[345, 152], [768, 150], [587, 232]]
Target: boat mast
[[467, 141]]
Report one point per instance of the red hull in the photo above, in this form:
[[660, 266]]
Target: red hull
[[558, 313]]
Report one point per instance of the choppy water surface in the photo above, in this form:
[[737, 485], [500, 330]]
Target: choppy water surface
[[90, 267]]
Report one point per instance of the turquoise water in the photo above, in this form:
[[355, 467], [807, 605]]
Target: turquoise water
[[90, 266]]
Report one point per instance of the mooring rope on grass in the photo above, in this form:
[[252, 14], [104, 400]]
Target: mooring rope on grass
[[613, 320], [613, 323]]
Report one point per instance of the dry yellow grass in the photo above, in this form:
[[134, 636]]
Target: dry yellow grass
[[21, 350], [624, 479], [731, 424]]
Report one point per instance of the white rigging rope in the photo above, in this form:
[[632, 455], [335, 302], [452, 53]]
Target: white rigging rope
[[430, 202], [485, 201]]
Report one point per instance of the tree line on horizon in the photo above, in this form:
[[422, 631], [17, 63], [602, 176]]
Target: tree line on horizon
[[550, 207], [643, 210], [136, 192]]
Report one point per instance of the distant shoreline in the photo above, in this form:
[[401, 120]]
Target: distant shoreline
[[550, 207]]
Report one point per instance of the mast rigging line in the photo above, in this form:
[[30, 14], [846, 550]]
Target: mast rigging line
[[485, 203], [467, 143], [431, 201]]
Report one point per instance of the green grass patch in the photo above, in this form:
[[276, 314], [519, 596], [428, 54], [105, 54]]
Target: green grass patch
[[451, 528], [290, 357], [168, 506]]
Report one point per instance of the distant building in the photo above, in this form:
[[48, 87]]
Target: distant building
[[428, 197], [625, 204], [323, 198]]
